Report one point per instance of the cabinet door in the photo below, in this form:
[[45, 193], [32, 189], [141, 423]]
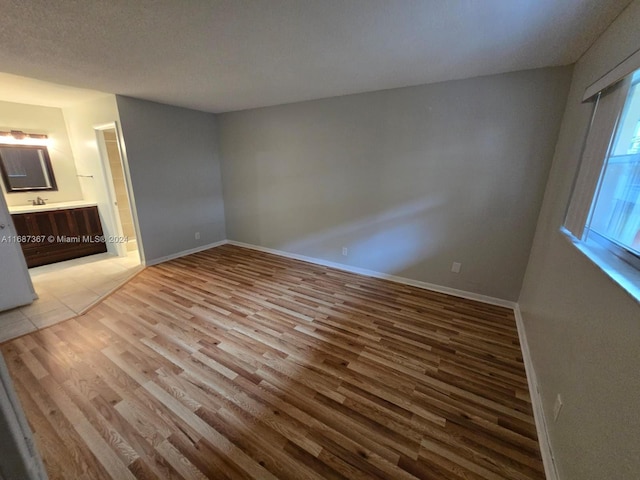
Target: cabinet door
[[87, 221], [63, 223], [21, 224], [93, 221], [41, 224]]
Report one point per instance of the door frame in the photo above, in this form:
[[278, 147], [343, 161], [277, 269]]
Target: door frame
[[24, 460], [111, 193]]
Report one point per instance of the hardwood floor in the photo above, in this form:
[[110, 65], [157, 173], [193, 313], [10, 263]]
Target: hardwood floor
[[232, 363]]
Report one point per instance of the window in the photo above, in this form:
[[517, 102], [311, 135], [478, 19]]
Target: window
[[615, 217], [603, 216]]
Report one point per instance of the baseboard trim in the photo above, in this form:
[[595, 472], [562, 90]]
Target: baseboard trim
[[536, 401], [385, 276], [155, 261]]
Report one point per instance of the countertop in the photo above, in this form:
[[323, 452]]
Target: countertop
[[50, 207]]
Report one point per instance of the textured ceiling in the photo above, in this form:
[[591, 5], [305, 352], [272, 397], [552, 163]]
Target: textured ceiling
[[221, 55]]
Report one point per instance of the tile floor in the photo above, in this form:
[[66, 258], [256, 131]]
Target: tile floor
[[65, 289]]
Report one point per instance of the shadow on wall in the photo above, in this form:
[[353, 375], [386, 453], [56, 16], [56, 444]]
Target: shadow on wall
[[389, 241], [418, 240]]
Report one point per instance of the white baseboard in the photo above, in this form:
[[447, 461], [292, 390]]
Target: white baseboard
[[183, 253], [536, 401], [385, 276]]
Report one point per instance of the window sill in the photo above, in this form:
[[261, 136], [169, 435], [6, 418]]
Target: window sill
[[625, 275]]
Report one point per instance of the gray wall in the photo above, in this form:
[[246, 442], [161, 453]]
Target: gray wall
[[175, 172], [410, 179], [584, 330]]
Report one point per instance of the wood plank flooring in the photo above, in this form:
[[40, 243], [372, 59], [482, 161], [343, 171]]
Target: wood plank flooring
[[233, 363]]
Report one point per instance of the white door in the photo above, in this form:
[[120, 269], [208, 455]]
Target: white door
[[15, 284]]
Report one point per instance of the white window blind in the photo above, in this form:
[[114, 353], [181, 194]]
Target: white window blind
[[609, 104]]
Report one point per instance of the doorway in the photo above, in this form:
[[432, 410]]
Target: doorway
[[121, 200], [68, 288]]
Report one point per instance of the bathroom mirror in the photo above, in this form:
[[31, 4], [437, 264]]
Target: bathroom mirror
[[26, 168]]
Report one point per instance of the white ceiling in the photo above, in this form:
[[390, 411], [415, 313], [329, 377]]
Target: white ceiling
[[221, 55], [17, 89]]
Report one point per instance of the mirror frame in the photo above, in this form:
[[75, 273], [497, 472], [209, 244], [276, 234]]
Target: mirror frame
[[47, 166]]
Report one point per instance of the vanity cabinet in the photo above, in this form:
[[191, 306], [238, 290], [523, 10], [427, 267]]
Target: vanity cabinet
[[52, 236]]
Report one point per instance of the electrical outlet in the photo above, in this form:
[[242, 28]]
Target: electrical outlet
[[197, 235], [345, 251], [557, 407], [455, 267]]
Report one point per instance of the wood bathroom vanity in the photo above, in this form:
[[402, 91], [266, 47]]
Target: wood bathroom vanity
[[57, 232]]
